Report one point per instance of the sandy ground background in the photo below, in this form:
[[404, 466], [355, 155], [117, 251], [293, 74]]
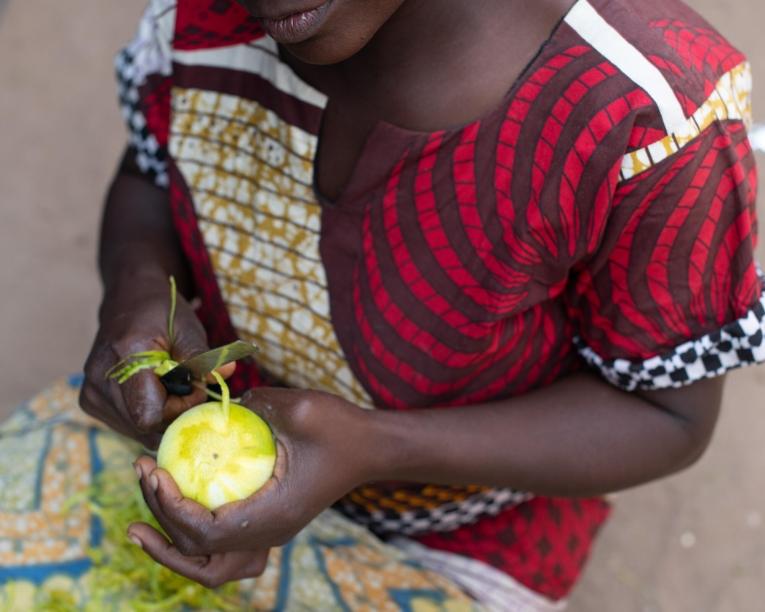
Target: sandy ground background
[[694, 542]]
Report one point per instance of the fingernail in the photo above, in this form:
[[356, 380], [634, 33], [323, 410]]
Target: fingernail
[[138, 470], [135, 540], [154, 482]]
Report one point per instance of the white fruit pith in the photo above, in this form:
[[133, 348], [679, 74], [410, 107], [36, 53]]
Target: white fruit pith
[[215, 460]]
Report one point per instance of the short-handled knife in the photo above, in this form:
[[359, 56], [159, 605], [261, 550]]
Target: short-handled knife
[[178, 381]]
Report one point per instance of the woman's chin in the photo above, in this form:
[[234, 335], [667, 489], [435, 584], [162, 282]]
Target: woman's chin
[[324, 50]]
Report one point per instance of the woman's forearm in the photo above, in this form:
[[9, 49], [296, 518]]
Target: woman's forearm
[[138, 243], [577, 437]]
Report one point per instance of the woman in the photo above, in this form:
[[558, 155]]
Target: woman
[[443, 210]]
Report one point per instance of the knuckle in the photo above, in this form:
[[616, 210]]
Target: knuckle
[[144, 423], [89, 369], [149, 336], [126, 344], [101, 353], [191, 337], [257, 398], [143, 405], [303, 412], [94, 369], [89, 400]]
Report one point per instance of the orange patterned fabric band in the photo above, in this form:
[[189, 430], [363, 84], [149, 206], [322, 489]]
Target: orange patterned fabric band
[[388, 509]]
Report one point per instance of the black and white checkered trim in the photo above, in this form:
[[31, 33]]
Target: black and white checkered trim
[[149, 53], [150, 157], [737, 344], [446, 517]]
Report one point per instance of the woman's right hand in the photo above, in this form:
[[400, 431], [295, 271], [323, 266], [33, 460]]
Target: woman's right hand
[[134, 318]]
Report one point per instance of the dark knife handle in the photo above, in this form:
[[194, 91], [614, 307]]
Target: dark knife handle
[[178, 381]]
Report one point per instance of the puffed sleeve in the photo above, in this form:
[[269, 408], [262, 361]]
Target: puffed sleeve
[[673, 294], [143, 70]]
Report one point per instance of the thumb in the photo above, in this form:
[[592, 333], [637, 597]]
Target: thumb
[[176, 405], [226, 371]]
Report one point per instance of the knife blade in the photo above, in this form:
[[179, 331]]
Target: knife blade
[[178, 380]]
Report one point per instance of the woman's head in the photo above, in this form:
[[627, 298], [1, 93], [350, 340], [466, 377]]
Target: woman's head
[[322, 31]]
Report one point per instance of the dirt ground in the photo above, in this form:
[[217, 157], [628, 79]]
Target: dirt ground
[[694, 542]]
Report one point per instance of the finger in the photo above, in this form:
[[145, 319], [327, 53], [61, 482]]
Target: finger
[[210, 571], [145, 466], [266, 403], [107, 395], [226, 371], [157, 485], [150, 440], [166, 553], [144, 399], [184, 513], [196, 529], [176, 405], [97, 405], [250, 567], [190, 340], [119, 407], [237, 565], [277, 405], [263, 515]]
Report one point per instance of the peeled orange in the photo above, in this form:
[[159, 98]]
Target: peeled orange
[[218, 456]]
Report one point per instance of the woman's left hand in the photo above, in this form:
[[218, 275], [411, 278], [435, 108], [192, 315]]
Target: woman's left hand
[[322, 454]]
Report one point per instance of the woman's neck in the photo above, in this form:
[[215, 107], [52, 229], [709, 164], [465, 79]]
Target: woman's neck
[[457, 57], [423, 34]]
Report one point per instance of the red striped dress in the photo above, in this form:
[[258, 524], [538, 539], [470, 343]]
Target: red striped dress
[[601, 215]]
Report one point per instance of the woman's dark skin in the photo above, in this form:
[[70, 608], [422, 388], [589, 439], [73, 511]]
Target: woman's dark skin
[[421, 65], [138, 251], [426, 52]]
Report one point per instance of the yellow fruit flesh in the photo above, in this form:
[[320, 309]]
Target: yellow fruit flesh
[[217, 458]]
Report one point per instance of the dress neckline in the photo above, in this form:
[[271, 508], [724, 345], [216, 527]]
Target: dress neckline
[[383, 130]]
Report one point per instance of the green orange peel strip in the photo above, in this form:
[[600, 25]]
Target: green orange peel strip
[[171, 314], [121, 571], [225, 400], [123, 577], [158, 361]]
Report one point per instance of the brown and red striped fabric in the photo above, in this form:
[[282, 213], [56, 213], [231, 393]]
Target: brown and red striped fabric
[[606, 203]]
